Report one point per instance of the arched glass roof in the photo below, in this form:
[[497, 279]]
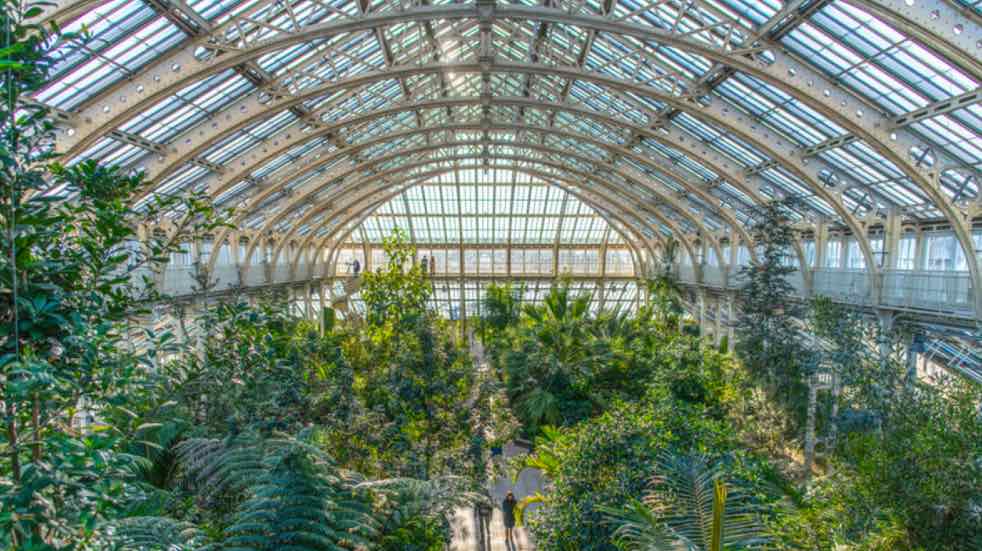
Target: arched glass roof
[[670, 117], [474, 226], [488, 207]]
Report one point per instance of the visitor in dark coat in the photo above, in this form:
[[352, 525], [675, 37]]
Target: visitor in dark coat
[[508, 510]]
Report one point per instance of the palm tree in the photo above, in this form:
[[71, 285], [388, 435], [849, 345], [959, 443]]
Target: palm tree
[[689, 507], [556, 356]]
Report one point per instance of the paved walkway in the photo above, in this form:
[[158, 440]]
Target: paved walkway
[[465, 525]]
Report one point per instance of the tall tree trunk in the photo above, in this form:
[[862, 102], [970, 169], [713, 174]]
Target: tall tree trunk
[[834, 413], [810, 425], [12, 442]]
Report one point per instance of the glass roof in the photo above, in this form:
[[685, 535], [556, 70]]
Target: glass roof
[[473, 206], [294, 111]]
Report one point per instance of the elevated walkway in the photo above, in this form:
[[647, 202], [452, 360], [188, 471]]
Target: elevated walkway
[[929, 297], [934, 293]]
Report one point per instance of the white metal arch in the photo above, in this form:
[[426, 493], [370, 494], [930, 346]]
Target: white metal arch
[[714, 113], [594, 200], [785, 73], [629, 173], [436, 147], [793, 77], [348, 188], [689, 147], [598, 202], [674, 175], [366, 205]]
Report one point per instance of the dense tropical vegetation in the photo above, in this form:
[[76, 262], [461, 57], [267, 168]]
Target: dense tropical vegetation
[[814, 435], [254, 428]]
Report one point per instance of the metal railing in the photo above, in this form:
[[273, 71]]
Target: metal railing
[[934, 291], [939, 292], [852, 286]]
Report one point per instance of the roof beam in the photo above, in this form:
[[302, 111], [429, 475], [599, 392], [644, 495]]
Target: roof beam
[[369, 201], [843, 107], [632, 198], [694, 188], [504, 245], [935, 24]]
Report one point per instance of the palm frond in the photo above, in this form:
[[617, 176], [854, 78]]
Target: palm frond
[[523, 504], [690, 502]]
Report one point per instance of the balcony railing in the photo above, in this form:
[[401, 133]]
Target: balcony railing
[[852, 286], [935, 291]]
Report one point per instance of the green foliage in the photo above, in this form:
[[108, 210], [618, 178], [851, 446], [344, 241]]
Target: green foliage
[[421, 399], [560, 365], [416, 534], [250, 369], [605, 462], [906, 474], [769, 343], [397, 291], [71, 277], [154, 533], [283, 492], [922, 468], [298, 499], [414, 513], [690, 505]]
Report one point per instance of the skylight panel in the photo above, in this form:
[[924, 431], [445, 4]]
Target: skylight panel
[[125, 36], [957, 140]]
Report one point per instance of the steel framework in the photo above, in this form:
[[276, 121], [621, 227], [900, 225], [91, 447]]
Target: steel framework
[[326, 110]]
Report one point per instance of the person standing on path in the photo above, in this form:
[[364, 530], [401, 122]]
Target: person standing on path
[[508, 511]]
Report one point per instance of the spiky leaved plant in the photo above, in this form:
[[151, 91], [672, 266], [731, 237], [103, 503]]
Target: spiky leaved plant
[[689, 507]]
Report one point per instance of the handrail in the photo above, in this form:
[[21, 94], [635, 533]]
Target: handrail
[[940, 292], [943, 292]]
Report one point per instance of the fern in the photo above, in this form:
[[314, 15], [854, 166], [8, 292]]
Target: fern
[[296, 500], [146, 533], [441, 495], [216, 468], [284, 494]]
